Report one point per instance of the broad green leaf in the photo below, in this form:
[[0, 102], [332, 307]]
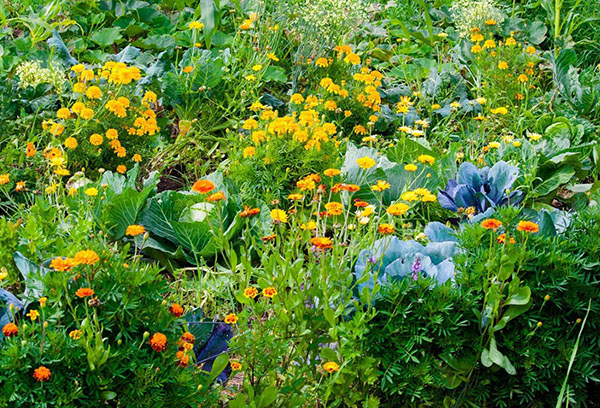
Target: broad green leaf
[[106, 36]]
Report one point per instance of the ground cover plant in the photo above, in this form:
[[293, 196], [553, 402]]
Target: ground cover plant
[[327, 203]]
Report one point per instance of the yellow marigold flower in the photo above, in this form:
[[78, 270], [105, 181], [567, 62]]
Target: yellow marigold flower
[[279, 216], [20, 186], [75, 334], [235, 365], [352, 58], [436, 106], [121, 169], [499, 111], [86, 113], [380, 186], [310, 225], [398, 209], [322, 62], [70, 143], [502, 65], [522, 78], [4, 178], [269, 292], [250, 292], [63, 113], [489, 44], [330, 105], [331, 367], [134, 230], [93, 92], [360, 130], [490, 22], [231, 318], [410, 167], [92, 192], [365, 162], [79, 87], [57, 129], [425, 158], [476, 49], [295, 197], [249, 151], [195, 25], [530, 50], [246, 24], [296, 99], [78, 68], [33, 315], [96, 139], [334, 208], [510, 41], [136, 158]]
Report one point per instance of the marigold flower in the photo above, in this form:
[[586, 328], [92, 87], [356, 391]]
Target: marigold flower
[[502, 239], [218, 196], [410, 167], [268, 238], [136, 158], [528, 226], [235, 366], [134, 230], [42, 374], [158, 342], [62, 264], [331, 367], [63, 113], [195, 25], [269, 292], [334, 208], [386, 229], [188, 337], [332, 172], [231, 318], [176, 310], [203, 186], [75, 334], [250, 292], [4, 179], [295, 197], [33, 315], [365, 162], [93, 92], [249, 212], [30, 149], [322, 243], [84, 292], [491, 223], [10, 330], [279, 216]]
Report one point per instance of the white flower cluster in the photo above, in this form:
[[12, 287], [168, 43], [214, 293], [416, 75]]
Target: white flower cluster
[[468, 14], [330, 20], [31, 73]]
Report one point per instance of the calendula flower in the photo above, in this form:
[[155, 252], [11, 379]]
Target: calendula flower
[[121, 169], [425, 158], [136, 158], [158, 342], [331, 367], [176, 310], [203, 186], [491, 223], [30, 150], [10, 330], [269, 292], [42, 374], [397, 209], [84, 292], [249, 212], [410, 196], [380, 186], [187, 69], [279, 216], [62, 264], [249, 151], [86, 257], [218, 196], [134, 230], [195, 25], [410, 167], [334, 208], [528, 226], [365, 162], [386, 229], [250, 292], [322, 243], [231, 318]]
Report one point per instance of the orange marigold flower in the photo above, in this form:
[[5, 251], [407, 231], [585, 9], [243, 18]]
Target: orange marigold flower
[[218, 196], [231, 318], [176, 310], [322, 243], [75, 334], [250, 292], [42, 374], [249, 212], [62, 264], [269, 292], [84, 292], [158, 342], [134, 230], [331, 367], [188, 337], [87, 257], [528, 226], [334, 208], [491, 223], [183, 359], [235, 366], [386, 229], [10, 330], [502, 239], [203, 186], [350, 187]]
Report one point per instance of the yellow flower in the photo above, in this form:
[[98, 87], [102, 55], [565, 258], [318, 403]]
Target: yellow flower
[[96, 139], [365, 162], [63, 113], [93, 92], [86, 113], [195, 25], [410, 196], [499, 111], [410, 167], [272, 57], [70, 143], [502, 65], [92, 192], [279, 216], [249, 151], [136, 158], [4, 179], [522, 78], [78, 68], [134, 230], [331, 367], [476, 49], [332, 172], [188, 69], [121, 169], [398, 209], [257, 67], [490, 22], [381, 185], [494, 145], [33, 315], [425, 158], [322, 62]]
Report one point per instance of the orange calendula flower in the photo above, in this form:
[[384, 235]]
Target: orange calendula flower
[[231, 318], [331, 367], [322, 243], [42, 374], [386, 229], [250, 292], [176, 310], [84, 292], [10, 330], [491, 223], [158, 342], [203, 186], [86, 257], [334, 208], [332, 172], [350, 187], [62, 264], [134, 230], [218, 196], [249, 212], [269, 292], [528, 226], [235, 366], [502, 239]]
